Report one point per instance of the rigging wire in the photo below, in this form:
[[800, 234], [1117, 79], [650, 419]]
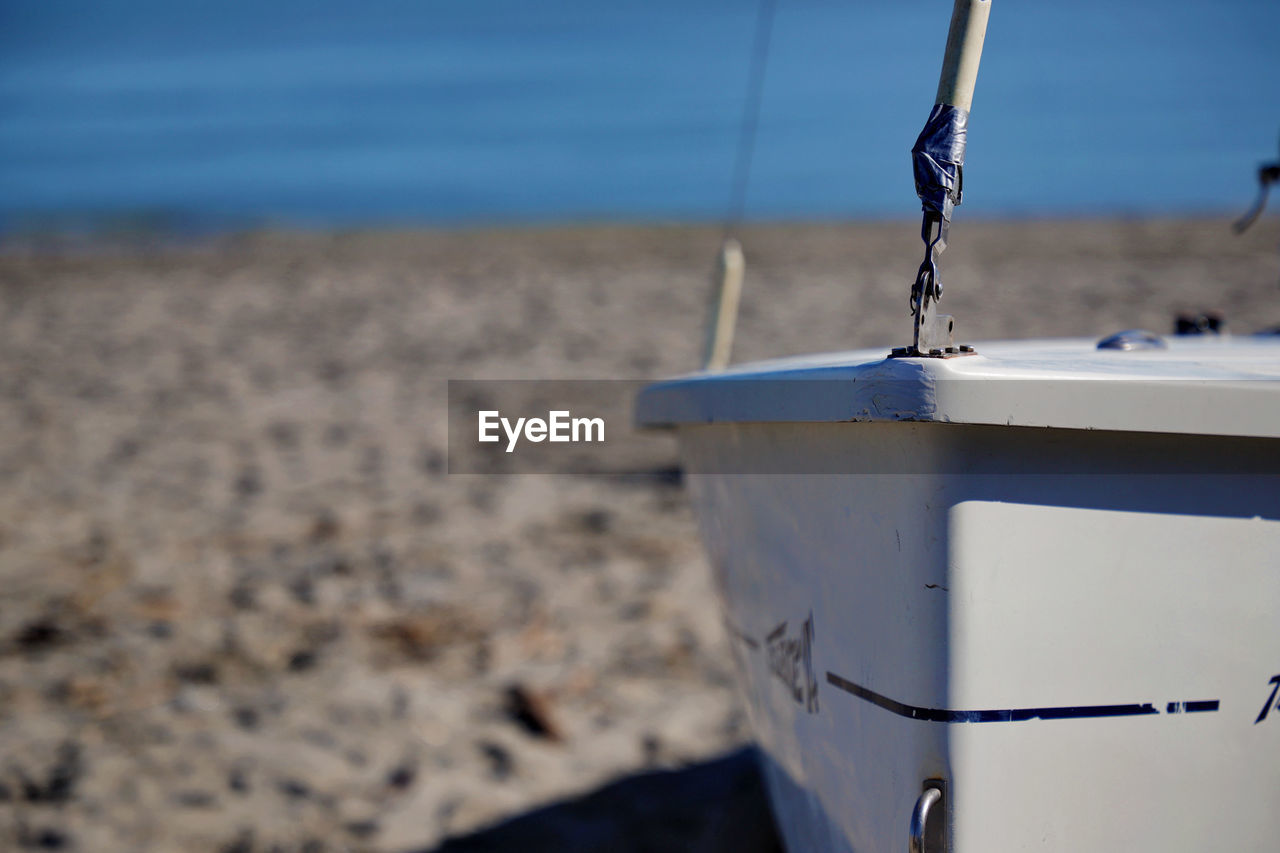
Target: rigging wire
[[750, 117], [730, 264]]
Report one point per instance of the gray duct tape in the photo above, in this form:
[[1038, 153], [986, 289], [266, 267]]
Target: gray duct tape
[[938, 159]]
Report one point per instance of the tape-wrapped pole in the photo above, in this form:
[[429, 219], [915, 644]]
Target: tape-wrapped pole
[[938, 155]]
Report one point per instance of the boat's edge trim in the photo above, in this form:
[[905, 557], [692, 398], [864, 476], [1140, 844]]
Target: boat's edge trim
[[1013, 715]]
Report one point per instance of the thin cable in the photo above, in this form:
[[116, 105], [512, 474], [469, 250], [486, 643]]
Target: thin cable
[[750, 117]]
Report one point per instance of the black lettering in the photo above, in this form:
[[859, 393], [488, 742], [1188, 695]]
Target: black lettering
[[1271, 700]]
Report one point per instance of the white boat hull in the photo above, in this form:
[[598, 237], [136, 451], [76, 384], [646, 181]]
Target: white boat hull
[[1081, 659]]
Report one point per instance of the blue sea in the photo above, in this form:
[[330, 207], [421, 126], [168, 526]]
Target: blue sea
[[335, 114]]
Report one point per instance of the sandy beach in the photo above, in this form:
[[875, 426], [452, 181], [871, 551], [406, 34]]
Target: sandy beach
[[244, 606]]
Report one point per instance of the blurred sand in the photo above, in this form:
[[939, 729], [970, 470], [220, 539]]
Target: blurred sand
[[244, 607]]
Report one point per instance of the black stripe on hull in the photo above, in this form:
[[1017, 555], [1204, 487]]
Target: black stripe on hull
[[1013, 715]]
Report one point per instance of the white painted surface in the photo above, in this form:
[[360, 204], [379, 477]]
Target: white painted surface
[[1204, 386], [1053, 606], [845, 777], [954, 592]]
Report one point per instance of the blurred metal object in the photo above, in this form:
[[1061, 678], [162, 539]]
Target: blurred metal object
[[1133, 339], [1268, 174], [722, 317], [1207, 323], [937, 161]]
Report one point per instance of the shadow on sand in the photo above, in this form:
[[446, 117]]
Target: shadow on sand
[[714, 807]]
